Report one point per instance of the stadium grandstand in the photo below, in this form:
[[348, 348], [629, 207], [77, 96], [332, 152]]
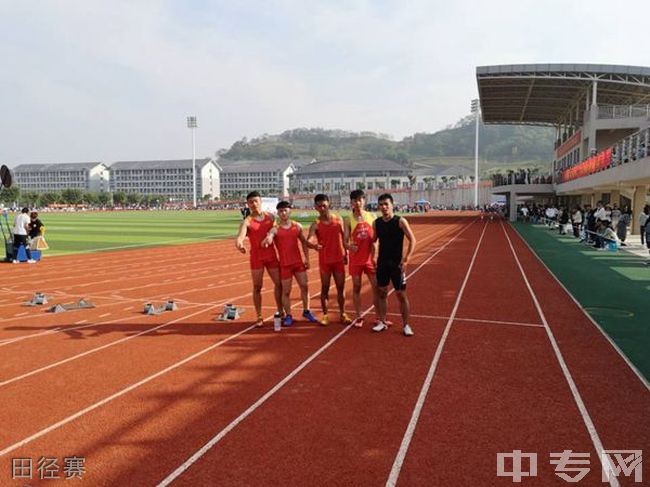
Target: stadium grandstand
[[601, 114]]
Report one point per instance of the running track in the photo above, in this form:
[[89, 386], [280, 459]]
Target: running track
[[503, 360]]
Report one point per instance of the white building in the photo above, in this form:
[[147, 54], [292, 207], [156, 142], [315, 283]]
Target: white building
[[269, 177], [437, 177], [43, 178], [341, 176], [172, 178]]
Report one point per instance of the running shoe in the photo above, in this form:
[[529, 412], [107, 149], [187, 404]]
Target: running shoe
[[309, 316], [325, 320], [345, 319], [380, 326], [358, 323], [259, 322], [288, 321], [408, 332]]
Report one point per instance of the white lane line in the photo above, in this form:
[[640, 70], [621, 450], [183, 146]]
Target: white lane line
[[415, 416], [80, 322], [636, 371], [219, 436], [105, 315], [21, 314], [102, 347], [591, 428], [473, 320], [128, 389]]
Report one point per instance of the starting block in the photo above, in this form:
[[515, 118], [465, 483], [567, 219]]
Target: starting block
[[81, 304], [38, 299], [152, 309], [230, 312]]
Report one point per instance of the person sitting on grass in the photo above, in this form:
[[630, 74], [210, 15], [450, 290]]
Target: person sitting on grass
[[286, 235], [604, 234]]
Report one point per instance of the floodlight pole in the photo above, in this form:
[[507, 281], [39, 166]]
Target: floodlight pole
[[477, 112], [191, 124]]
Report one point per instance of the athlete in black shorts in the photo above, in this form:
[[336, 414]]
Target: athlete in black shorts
[[390, 230]]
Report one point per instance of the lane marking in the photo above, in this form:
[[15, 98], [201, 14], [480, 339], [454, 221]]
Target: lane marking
[[636, 371], [415, 416], [474, 320], [219, 436], [591, 428]]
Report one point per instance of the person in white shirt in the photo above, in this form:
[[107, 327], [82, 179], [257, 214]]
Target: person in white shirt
[[600, 213], [20, 231]]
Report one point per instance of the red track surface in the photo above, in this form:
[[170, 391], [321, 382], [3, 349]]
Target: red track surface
[[137, 404]]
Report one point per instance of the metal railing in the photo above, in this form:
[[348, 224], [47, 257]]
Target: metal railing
[[623, 111]]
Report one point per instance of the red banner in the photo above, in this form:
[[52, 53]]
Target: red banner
[[589, 166], [568, 144]]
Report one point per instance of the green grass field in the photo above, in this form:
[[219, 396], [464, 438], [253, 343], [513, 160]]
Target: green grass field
[[68, 233]]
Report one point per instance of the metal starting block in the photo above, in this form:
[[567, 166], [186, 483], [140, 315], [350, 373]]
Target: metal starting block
[[81, 304], [38, 299], [230, 312], [152, 309]]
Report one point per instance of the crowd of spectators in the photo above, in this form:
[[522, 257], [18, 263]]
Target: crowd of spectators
[[520, 176], [605, 226]]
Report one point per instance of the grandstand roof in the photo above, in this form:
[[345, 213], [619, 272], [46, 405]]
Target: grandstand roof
[[352, 165], [170, 164], [262, 165], [545, 94], [56, 167]]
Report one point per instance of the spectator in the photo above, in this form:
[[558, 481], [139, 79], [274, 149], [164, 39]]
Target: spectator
[[576, 221], [616, 215], [563, 220], [604, 234], [21, 227], [622, 224], [643, 220]]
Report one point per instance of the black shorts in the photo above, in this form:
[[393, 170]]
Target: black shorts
[[391, 272]]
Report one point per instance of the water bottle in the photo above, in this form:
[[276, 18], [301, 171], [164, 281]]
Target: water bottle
[[277, 321]]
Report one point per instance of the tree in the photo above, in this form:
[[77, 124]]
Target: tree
[[31, 199], [119, 198], [10, 196], [72, 196], [104, 199], [89, 198], [50, 198], [133, 198]]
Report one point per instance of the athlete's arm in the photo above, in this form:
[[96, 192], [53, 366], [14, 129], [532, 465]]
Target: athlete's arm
[[345, 248], [268, 241], [241, 235], [305, 245], [404, 225], [312, 236]]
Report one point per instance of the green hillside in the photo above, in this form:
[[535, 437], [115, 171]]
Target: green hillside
[[500, 145]]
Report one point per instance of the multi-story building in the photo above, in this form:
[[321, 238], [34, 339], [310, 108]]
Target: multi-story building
[[171, 178], [43, 178], [341, 176], [269, 177]]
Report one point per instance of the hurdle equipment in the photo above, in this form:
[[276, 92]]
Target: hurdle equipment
[[81, 304], [38, 299], [230, 313], [152, 309]]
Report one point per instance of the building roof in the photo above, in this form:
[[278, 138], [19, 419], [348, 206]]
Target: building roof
[[169, 164], [548, 94], [56, 167], [351, 165], [263, 165]]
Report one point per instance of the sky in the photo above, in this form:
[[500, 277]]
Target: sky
[[115, 80]]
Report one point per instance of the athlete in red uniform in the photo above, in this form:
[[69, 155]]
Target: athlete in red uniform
[[359, 240], [256, 227], [286, 235], [332, 257]]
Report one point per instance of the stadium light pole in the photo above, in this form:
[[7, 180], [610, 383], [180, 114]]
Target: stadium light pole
[[476, 110], [191, 124]]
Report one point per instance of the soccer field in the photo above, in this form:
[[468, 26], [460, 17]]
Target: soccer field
[[68, 233]]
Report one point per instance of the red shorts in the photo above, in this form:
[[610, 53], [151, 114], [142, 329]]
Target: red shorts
[[269, 263], [288, 271], [360, 269], [332, 268]]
